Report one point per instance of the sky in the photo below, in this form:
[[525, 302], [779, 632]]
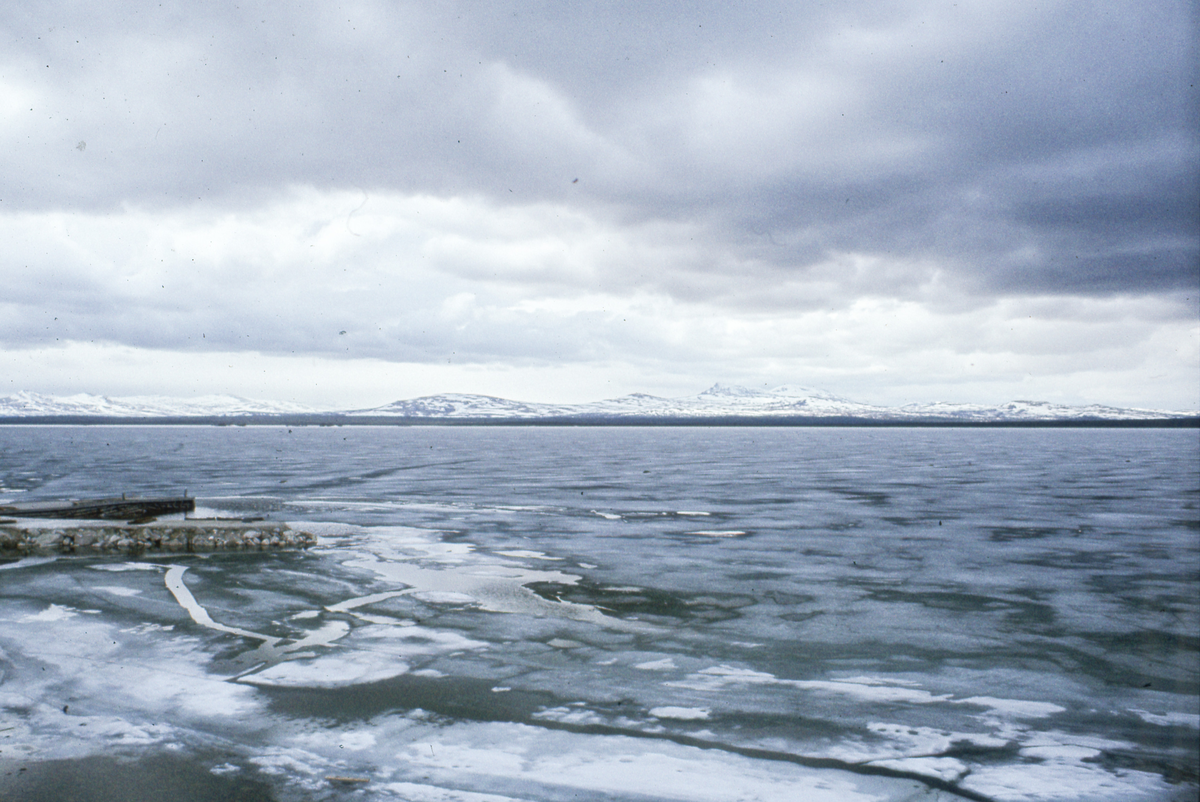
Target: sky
[[346, 204]]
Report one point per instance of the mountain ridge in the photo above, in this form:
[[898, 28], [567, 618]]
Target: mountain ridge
[[718, 401]]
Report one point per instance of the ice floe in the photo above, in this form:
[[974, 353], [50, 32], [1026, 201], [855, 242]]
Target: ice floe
[[680, 713], [329, 671], [527, 554], [117, 590], [55, 612], [1017, 708], [1170, 719], [665, 664]]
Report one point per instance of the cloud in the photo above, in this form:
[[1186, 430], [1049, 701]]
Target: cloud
[[514, 185]]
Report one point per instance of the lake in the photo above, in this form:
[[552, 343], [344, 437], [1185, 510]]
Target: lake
[[627, 613]]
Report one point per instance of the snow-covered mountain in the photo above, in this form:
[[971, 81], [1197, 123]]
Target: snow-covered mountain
[[462, 405], [1033, 410], [732, 400], [718, 401], [725, 401], [23, 405]]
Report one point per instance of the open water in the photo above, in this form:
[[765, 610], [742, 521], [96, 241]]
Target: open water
[[616, 613]]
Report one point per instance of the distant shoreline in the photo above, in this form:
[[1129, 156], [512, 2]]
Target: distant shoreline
[[741, 421]]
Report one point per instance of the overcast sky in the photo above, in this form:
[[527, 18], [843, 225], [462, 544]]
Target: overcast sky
[[344, 204]]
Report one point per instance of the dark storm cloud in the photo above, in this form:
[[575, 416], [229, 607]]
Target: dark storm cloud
[[1024, 149]]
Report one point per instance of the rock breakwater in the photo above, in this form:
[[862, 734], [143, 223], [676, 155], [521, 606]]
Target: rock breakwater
[[51, 537]]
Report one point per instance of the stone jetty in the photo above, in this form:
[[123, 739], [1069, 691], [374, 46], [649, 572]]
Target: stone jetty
[[39, 537]]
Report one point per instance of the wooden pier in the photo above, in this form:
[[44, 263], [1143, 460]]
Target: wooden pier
[[107, 509]]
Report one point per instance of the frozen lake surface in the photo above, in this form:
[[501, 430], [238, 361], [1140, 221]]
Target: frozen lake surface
[[616, 613]]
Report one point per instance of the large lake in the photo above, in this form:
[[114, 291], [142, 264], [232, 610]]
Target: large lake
[[642, 614]]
